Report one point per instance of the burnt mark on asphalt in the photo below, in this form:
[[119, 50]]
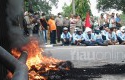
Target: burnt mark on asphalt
[[85, 73]]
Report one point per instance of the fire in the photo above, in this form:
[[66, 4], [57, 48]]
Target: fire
[[36, 59]]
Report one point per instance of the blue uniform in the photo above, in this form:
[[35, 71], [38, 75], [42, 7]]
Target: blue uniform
[[66, 38], [89, 39], [112, 36]]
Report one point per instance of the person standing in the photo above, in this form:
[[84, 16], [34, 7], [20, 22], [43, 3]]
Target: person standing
[[66, 37], [79, 23], [59, 24], [118, 21], [101, 20], [73, 21], [44, 27], [112, 21], [28, 17], [52, 29], [66, 23]]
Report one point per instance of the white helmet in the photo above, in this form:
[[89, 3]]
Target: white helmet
[[88, 29]]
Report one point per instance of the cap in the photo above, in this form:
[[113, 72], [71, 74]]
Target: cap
[[79, 30]]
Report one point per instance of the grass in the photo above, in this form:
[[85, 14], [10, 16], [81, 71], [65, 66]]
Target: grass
[[123, 19]]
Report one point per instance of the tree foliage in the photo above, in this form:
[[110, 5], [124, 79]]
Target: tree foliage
[[40, 5], [111, 4], [81, 6]]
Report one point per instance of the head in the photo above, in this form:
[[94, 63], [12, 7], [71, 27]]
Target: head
[[113, 15], [65, 29], [88, 30], [78, 17], [52, 17], [117, 15], [26, 13], [79, 31], [102, 15]]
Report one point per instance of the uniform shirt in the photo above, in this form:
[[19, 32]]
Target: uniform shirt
[[79, 37], [112, 36], [98, 36], [59, 21], [52, 25], [86, 36], [66, 36]]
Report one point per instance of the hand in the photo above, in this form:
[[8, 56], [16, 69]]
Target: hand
[[64, 40]]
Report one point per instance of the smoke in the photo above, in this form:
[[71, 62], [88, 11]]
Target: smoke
[[14, 10]]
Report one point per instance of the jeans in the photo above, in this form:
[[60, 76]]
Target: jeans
[[41, 37], [45, 35]]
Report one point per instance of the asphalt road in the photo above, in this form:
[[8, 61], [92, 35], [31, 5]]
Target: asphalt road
[[91, 56]]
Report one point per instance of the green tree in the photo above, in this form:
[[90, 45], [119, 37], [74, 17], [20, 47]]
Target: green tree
[[111, 4], [40, 5], [67, 10], [81, 6]]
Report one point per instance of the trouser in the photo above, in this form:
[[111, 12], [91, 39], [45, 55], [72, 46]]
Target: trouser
[[30, 31], [67, 42], [45, 35], [59, 32], [100, 42], [77, 42], [119, 40], [41, 37], [53, 37], [90, 43]]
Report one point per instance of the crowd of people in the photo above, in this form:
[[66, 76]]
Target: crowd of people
[[73, 31]]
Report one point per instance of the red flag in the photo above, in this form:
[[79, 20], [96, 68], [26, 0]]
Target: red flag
[[87, 20]]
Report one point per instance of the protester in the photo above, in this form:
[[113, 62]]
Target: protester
[[36, 23], [73, 21], [74, 35], [79, 22], [44, 27], [101, 20], [59, 24], [121, 36], [66, 37], [89, 37], [98, 38], [28, 17], [107, 20], [112, 21], [52, 29], [112, 38], [79, 38], [118, 21]]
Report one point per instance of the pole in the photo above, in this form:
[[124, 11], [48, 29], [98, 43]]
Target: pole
[[73, 7]]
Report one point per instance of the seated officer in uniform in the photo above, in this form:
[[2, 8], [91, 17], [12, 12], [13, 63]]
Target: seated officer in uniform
[[89, 37], [66, 37], [99, 39], [79, 38]]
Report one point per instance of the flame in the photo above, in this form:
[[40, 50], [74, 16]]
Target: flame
[[36, 59]]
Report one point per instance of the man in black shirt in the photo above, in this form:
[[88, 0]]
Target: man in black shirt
[[44, 27]]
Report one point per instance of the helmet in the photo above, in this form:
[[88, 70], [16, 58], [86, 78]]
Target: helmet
[[88, 29], [65, 28]]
